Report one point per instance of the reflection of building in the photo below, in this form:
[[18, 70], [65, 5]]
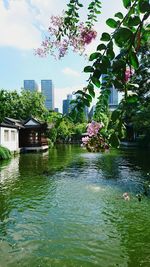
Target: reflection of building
[[67, 105], [113, 98], [30, 85], [47, 90], [11, 171]]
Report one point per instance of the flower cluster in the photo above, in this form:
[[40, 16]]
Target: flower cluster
[[57, 44], [128, 74], [94, 141]]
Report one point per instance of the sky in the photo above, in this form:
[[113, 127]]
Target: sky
[[22, 25]]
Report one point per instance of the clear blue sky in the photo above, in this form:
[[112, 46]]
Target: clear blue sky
[[22, 23]]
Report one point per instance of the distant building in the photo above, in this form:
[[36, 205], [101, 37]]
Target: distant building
[[113, 97], [91, 113], [30, 85], [66, 104], [56, 110], [86, 112], [47, 90]]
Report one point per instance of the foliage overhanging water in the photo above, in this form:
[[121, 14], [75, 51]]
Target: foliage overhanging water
[[64, 208]]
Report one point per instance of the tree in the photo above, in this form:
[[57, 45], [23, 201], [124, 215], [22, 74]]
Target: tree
[[21, 106], [130, 32]]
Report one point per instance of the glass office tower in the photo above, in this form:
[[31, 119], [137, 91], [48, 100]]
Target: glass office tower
[[47, 90], [30, 85]]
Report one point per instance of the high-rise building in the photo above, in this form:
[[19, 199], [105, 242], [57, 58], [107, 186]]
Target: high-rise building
[[113, 97], [56, 110], [91, 113], [66, 104], [30, 85], [47, 90]]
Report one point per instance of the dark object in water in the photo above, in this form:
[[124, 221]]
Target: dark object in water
[[139, 197]]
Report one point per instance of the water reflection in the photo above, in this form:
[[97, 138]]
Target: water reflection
[[65, 208]]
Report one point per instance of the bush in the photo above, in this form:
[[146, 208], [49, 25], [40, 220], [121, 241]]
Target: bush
[[4, 153], [50, 143]]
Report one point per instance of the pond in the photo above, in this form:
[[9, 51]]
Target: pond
[[65, 208]]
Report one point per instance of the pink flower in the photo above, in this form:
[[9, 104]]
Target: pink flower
[[88, 35], [85, 140], [60, 38], [93, 128], [128, 74]]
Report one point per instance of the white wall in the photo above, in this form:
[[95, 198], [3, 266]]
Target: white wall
[[13, 138]]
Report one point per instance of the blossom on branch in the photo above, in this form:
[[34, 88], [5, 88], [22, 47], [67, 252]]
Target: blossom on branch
[[60, 38], [128, 74], [94, 141]]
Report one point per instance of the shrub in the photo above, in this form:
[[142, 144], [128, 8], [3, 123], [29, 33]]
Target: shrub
[[4, 153]]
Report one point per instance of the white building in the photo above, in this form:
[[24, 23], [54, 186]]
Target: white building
[[9, 134]]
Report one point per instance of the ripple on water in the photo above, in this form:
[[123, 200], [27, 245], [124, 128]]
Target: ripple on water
[[74, 216]]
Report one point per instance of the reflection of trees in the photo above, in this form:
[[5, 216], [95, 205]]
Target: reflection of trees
[[126, 169], [9, 173], [132, 224], [24, 186]]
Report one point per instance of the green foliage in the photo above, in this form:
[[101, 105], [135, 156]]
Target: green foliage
[[63, 130], [80, 128], [112, 23], [127, 3], [21, 106], [131, 31], [4, 153]]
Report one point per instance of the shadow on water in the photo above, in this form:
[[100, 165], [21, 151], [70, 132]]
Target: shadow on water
[[64, 208]]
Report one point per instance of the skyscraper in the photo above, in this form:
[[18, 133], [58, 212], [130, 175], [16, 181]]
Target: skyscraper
[[47, 90], [66, 104], [30, 85], [113, 98]]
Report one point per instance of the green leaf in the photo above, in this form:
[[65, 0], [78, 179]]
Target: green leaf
[[89, 98], [133, 60], [127, 3], [80, 5], [110, 53], [122, 36], [144, 6], [118, 84], [91, 89], [79, 92], [86, 102], [134, 21], [97, 73], [95, 81], [105, 37], [115, 115], [112, 23], [118, 65], [94, 56], [132, 99], [88, 69], [106, 62], [119, 15], [114, 140], [101, 47]]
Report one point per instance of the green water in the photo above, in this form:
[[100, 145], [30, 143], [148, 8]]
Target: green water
[[64, 208]]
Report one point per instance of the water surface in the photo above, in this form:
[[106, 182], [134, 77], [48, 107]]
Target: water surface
[[64, 208]]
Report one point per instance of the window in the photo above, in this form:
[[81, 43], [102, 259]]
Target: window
[[6, 135], [13, 136]]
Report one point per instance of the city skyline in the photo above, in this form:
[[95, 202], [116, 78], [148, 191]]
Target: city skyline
[[46, 88], [19, 39]]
